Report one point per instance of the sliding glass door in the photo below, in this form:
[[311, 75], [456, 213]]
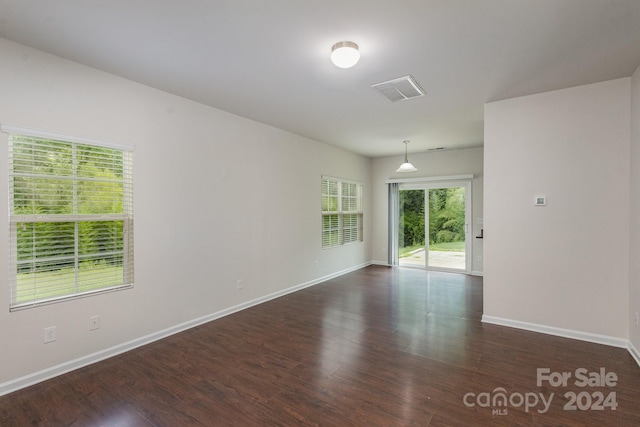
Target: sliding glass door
[[433, 226]]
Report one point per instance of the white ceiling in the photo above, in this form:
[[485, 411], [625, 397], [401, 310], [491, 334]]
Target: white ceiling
[[268, 60]]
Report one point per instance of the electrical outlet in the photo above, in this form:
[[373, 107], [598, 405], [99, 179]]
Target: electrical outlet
[[94, 323], [239, 284], [637, 319], [49, 334]]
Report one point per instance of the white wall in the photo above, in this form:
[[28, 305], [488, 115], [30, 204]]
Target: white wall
[[634, 264], [201, 223], [565, 265], [430, 164]]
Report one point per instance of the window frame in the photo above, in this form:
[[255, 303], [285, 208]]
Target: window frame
[[348, 216], [119, 225]]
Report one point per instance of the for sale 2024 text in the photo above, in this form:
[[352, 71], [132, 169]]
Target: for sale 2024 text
[[583, 378]]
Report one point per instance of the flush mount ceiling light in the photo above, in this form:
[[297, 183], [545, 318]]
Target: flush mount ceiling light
[[406, 166], [345, 54]]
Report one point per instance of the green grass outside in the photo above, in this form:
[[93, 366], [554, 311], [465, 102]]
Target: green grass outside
[[445, 247], [51, 284]]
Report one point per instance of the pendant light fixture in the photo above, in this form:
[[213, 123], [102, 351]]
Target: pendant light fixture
[[345, 54], [406, 166]]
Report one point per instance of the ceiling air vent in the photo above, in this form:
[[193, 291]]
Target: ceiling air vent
[[399, 89]]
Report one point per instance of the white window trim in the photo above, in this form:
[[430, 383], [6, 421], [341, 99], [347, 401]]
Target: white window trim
[[45, 134]]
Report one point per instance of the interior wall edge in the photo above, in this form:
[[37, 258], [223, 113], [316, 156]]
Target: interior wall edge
[[634, 352]]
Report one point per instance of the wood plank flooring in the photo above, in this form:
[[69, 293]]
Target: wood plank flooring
[[376, 347]]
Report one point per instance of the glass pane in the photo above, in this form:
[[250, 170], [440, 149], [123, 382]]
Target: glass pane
[[351, 228], [349, 197], [96, 197], [330, 236], [330, 222], [411, 230], [329, 195], [46, 279], [43, 240], [446, 228], [42, 196], [99, 162], [329, 203], [46, 258], [41, 157], [99, 237], [100, 271]]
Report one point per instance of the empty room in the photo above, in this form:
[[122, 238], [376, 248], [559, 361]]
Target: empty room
[[357, 213]]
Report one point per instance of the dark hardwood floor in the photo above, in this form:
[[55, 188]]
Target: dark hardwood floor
[[376, 347]]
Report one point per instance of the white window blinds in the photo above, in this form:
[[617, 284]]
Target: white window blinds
[[70, 219], [341, 212]]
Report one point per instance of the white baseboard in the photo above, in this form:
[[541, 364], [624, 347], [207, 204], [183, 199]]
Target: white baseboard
[[383, 263], [63, 368], [634, 352], [477, 273], [551, 330]]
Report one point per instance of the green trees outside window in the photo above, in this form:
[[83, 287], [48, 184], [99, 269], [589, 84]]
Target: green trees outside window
[[446, 219], [71, 219]]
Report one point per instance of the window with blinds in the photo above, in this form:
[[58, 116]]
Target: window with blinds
[[341, 212], [70, 218]]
